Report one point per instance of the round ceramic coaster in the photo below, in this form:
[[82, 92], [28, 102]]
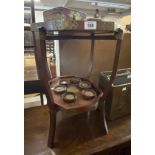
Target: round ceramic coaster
[[69, 97], [72, 89], [85, 85], [88, 94], [60, 89]]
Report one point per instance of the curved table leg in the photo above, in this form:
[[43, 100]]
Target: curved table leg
[[101, 109], [41, 99], [52, 128]]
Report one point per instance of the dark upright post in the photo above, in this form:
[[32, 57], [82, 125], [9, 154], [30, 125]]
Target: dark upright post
[[91, 57], [32, 11], [118, 36], [52, 128], [45, 77]]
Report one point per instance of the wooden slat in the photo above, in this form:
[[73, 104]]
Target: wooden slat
[[68, 37]]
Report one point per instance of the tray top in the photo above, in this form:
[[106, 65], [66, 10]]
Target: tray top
[[80, 101]]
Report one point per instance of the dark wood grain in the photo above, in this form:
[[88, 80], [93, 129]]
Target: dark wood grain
[[74, 135]]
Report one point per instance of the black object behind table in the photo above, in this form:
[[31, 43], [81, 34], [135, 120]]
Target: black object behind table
[[34, 86]]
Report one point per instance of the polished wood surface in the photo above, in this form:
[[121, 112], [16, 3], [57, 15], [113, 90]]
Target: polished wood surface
[[75, 135]]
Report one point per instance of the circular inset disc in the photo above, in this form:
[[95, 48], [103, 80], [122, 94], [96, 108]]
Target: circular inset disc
[[72, 89], [88, 94], [60, 89], [85, 85], [69, 97]]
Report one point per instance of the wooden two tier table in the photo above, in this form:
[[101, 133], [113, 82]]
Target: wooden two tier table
[[56, 101]]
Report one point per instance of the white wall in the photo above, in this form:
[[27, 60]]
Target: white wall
[[125, 20], [38, 15]]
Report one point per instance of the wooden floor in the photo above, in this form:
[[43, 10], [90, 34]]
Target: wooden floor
[[74, 136]]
